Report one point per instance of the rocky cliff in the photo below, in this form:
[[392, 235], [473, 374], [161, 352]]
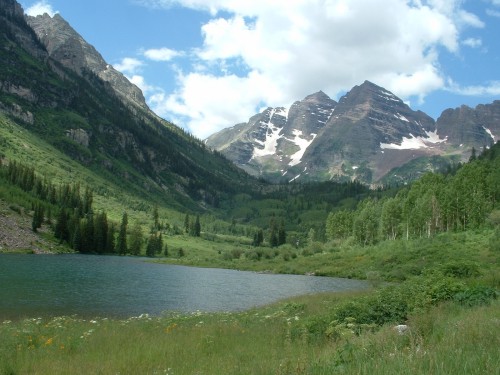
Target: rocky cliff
[[364, 136], [66, 46]]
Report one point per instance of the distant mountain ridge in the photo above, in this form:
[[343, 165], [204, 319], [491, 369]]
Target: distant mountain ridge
[[364, 136]]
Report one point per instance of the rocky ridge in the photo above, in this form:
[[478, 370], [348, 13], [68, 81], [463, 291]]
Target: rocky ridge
[[66, 46], [364, 136]]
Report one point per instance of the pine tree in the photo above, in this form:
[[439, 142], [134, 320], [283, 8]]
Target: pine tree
[[156, 222], [61, 230], [110, 239], [136, 239], [155, 245], [197, 227], [38, 215], [100, 232], [159, 244], [186, 224], [282, 233], [273, 233], [121, 244], [151, 247], [77, 239]]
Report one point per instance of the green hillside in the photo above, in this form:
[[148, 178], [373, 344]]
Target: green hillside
[[80, 171], [82, 118]]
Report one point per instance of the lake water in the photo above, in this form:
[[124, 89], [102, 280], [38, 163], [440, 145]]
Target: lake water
[[112, 286]]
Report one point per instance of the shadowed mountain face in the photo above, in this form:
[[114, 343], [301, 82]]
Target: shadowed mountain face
[[59, 88], [364, 136]]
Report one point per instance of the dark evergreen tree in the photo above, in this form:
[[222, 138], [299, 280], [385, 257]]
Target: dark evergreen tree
[[197, 227], [61, 230], [136, 239], [88, 234], [151, 246], [155, 245], [77, 239], [273, 233], [282, 233], [110, 239], [473, 155], [186, 224], [165, 250], [38, 216], [87, 201], [156, 219], [121, 243], [100, 232]]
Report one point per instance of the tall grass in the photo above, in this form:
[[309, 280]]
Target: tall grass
[[446, 339]]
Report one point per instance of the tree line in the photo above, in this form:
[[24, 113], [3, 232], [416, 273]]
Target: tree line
[[77, 223], [433, 204]]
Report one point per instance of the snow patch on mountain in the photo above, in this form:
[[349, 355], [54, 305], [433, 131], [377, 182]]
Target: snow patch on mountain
[[388, 96], [490, 133], [414, 143], [270, 145], [303, 144], [401, 117], [298, 176]]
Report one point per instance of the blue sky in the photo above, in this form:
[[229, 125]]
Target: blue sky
[[209, 64]]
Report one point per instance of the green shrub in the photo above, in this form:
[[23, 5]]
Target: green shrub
[[475, 296], [461, 269], [494, 241], [252, 255], [236, 253], [227, 256]]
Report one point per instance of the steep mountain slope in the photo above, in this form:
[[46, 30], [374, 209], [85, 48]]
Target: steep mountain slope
[[66, 46], [275, 138], [94, 122], [363, 136], [476, 127]]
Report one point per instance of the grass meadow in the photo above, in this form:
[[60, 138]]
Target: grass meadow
[[278, 339], [447, 299]]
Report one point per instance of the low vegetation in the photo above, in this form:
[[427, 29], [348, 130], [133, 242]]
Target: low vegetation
[[430, 250], [322, 334]]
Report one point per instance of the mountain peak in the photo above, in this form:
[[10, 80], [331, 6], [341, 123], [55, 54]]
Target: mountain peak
[[68, 47], [368, 92], [317, 97]]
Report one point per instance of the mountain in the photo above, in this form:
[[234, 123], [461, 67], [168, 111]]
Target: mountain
[[59, 88], [364, 136], [66, 46], [476, 127]]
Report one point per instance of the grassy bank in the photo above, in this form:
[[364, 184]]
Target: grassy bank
[[279, 339], [386, 261]]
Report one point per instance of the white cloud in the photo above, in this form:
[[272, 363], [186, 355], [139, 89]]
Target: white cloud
[[289, 49], [40, 8], [490, 89], [205, 101], [493, 12], [162, 54], [472, 42], [128, 65]]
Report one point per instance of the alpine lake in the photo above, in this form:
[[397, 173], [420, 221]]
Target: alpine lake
[[121, 287]]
